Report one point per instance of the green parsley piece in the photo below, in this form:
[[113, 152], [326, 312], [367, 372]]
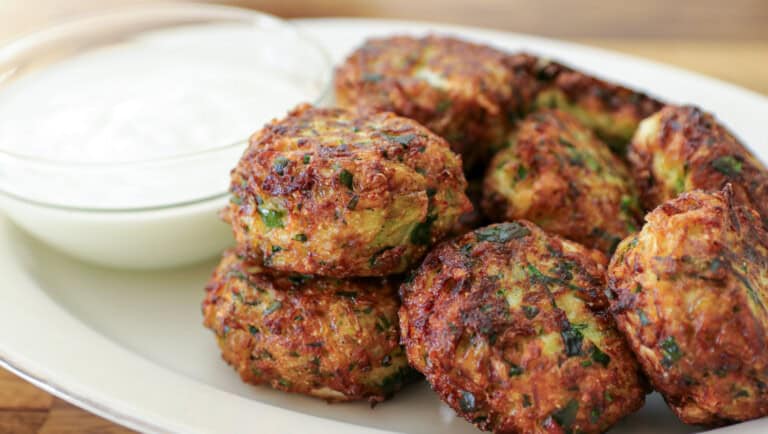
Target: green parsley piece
[[274, 306], [566, 416], [467, 401], [729, 165], [671, 352], [503, 232], [345, 177]]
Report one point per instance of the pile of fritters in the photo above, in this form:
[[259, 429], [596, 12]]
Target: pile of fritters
[[328, 207], [628, 253]]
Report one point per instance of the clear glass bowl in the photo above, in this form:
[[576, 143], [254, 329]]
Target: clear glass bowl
[[47, 84], [133, 203]]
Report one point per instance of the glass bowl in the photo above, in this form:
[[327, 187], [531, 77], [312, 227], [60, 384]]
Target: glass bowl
[[118, 131]]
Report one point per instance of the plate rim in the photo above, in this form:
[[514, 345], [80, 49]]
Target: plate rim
[[86, 404]]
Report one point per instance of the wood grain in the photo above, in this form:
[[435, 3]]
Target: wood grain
[[21, 422], [727, 40], [25, 409], [21, 396], [65, 418], [744, 63], [734, 19]]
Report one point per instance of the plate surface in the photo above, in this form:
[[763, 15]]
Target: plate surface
[[130, 346]]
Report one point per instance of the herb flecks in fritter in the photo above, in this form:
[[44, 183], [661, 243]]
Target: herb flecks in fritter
[[336, 193], [329, 338], [557, 174], [689, 292], [473, 94], [468, 93], [613, 112], [682, 148], [512, 329]]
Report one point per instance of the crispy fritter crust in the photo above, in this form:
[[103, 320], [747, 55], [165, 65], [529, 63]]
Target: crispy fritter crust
[[472, 94], [334, 193], [512, 329], [613, 112], [465, 92], [682, 148], [329, 338], [689, 292], [557, 174]]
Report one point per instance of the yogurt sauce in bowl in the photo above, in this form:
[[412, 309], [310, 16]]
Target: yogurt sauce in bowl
[[132, 140]]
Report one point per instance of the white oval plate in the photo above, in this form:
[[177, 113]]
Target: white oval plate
[[130, 347]]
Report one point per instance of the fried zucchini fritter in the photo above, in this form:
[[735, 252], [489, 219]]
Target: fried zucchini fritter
[[473, 94], [689, 292], [335, 193], [557, 174], [465, 92], [329, 338], [613, 112], [682, 148], [512, 329]]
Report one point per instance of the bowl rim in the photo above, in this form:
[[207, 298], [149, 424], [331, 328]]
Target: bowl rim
[[116, 211], [79, 23]]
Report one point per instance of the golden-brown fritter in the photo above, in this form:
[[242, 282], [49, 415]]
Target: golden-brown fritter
[[335, 193], [689, 292], [613, 112], [472, 94], [557, 174], [512, 329], [465, 92], [682, 148], [329, 338]]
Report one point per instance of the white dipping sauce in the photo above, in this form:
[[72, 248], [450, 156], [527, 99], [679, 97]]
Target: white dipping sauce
[[119, 153], [165, 93]]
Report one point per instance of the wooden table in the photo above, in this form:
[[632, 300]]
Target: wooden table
[[26, 409]]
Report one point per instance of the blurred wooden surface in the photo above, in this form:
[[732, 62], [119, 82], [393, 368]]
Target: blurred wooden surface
[[25, 409], [740, 62], [670, 19], [728, 40]]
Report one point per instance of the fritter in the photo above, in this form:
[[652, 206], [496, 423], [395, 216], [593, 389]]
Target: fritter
[[336, 193], [682, 148], [512, 329], [557, 174], [465, 92], [329, 338], [613, 112], [689, 292]]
